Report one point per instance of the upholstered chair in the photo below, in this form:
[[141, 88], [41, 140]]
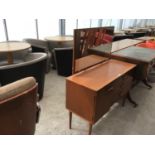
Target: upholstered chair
[[40, 46], [34, 64], [64, 59], [18, 107]]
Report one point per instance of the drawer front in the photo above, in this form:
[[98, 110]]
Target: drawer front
[[106, 97]]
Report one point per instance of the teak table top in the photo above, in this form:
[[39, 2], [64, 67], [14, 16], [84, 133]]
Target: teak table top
[[87, 61], [59, 38], [116, 45], [102, 74], [13, 46]]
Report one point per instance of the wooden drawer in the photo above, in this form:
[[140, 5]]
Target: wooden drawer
[[106, 97]]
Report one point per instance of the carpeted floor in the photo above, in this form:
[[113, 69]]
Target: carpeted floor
[[119, 121]]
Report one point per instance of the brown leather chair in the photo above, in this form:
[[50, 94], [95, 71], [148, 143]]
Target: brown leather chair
[[18, 107]]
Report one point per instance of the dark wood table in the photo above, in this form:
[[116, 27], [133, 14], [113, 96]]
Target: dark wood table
[[143, 57], [116, 45]]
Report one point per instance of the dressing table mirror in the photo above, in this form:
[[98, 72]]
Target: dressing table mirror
[[87, 38]]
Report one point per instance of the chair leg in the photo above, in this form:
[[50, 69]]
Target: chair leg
[[70, 120]]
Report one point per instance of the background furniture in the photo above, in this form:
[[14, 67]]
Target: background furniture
[[146, 38], [40, 46], [58, 42], [113, 47], [34, 64], [143, 57], [64, 59], [137, 34], [11, 47], [18, 107], [121, 37], [96, 89]]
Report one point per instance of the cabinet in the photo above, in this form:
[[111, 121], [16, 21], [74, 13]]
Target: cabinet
[[91, 93]]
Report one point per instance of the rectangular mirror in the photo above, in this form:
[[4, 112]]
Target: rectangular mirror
[[87, 38]]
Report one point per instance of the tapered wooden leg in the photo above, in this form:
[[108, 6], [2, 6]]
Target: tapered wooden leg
[[147, 84], [131, 100], [90, 128], [70, 120]]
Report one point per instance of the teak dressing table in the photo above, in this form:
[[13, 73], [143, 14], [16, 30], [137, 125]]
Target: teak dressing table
[[97, 82], [92, 92]]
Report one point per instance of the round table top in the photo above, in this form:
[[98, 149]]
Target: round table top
[[13, 46], [59, 38]]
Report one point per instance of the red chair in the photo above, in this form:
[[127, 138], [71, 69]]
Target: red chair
[[148, 44], [107, 38]]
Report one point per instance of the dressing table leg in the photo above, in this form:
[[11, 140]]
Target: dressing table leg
[[90, 128], [70, 120], [131, 100], [146, 83]]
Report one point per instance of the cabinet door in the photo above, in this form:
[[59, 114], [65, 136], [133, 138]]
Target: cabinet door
[[106, 97]]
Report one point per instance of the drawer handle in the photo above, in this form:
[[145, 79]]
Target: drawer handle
[[110, 89]]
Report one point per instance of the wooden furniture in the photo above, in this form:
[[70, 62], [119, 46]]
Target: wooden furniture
[[10, 47], [115, 46], [88, 61], [143, 57], [59, 39], [146, 38], [89, 37], [18, 107], [96, 89]]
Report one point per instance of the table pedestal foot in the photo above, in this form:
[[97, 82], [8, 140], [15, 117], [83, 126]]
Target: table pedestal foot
[[131, 100], [147, 84]]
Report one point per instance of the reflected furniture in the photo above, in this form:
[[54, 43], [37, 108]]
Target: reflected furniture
[[18, 107], [38, 45], [143, 57], [91, 92], [88, 61], [89, 37], [13, 46], [64, 60], [34, 64], [114, 46]]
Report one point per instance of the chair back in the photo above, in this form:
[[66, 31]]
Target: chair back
[[34, 64], [18, 107]]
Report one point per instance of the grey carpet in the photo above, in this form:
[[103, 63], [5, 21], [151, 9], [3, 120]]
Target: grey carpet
[[119, 121]]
